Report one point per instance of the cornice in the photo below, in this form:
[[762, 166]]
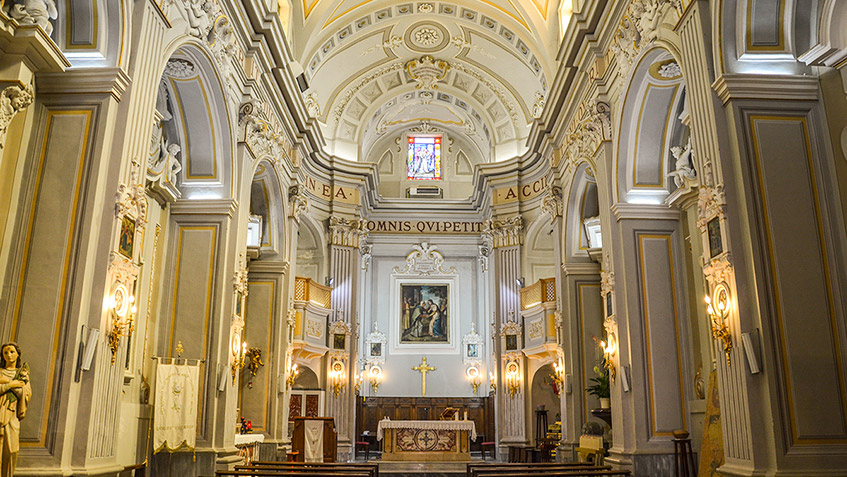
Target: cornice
[[204, 207], [766, 87], [587, 268], [624, 211], [113, 81], [33, 45]]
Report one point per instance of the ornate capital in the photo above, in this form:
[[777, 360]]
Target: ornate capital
[[260, 132], [345, 232], [504, 233], [13, 99], [640, 27]]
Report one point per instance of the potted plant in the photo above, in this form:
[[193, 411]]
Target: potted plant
[[600, 386]]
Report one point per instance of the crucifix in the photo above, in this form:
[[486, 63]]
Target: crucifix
[[423, 368]]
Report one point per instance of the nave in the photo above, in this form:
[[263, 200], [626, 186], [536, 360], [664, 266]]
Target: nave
[[604, 233]]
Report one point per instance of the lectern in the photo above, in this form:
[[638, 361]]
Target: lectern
[[314, 439]]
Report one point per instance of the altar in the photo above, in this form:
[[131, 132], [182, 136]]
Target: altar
[[426, 440]]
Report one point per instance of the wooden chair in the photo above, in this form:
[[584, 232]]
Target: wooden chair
[[363, 445], [488, 445]]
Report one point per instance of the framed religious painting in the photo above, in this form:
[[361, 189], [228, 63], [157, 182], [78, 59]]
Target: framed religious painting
[[713, 228], [423, 314], [127, 237]]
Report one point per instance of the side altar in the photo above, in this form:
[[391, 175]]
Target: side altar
[[426, 440]]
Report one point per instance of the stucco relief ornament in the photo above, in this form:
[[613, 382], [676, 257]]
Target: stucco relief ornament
[[485, 250], [256, 130], [425, 8], [424, 260], [670, 70], [298, 201], [312, 105], [130, 200], [591, 126], [607, 282], [365, 250], [239, 278], [376, 337], [684, 173], [711, 202], [180, 68], [719, 270], [538, 107], [13, 100], [427, 72], [427, 36], [473, 354], [553, 203], [35, 12]]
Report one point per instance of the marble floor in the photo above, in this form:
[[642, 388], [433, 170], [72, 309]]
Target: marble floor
[[423, 469]]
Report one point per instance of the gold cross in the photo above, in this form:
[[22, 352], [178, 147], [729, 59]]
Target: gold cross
[[423, 368]]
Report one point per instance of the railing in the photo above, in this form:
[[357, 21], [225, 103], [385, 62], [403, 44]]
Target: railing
[[306, 289], [542, 291]]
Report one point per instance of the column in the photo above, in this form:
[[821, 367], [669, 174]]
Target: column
[[345, 238]]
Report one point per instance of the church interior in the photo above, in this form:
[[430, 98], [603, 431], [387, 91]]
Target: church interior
[[433, 232]]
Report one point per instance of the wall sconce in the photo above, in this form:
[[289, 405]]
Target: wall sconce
[[474, 377], [122, 307], [559, 376], [375, 376], [609, 348], [292, 375], [492, 383], [513, 380], [718, 315], [336, 377], [238, 355]]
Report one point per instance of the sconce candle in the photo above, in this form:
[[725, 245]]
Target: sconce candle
[[718, 318]]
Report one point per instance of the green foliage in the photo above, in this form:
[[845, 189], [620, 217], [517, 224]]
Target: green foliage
[[600, 386]]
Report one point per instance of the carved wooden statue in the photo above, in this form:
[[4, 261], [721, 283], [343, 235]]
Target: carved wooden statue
[[15, 392]]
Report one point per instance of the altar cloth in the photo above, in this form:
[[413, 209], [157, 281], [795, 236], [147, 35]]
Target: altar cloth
[[436, 425]]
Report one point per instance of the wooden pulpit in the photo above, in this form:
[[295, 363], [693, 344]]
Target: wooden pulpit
[[310, 432]]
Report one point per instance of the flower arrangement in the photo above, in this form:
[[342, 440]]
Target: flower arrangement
[[600, 388]]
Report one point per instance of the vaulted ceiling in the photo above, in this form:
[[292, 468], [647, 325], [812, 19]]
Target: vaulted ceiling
[[477, 68]]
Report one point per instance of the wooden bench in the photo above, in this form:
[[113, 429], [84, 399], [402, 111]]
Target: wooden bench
[[507, 469], [372, 470], [561, 472], [291, 472]]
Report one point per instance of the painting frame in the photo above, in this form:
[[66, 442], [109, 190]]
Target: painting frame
[[454, 341], [126, 239], [424, 314]]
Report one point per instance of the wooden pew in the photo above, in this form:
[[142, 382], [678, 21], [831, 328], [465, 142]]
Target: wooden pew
[[290, 472], [371, 469], [506, 467], [557, 472]]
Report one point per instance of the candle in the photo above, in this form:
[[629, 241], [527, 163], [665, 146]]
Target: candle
[[466, 414]]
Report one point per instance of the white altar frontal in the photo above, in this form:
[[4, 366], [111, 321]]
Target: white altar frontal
[[426, 440]]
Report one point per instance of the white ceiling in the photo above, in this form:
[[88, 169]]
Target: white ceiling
[[499, 54]]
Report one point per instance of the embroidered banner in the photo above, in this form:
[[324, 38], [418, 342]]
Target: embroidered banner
[[426, 440], [175, 422]]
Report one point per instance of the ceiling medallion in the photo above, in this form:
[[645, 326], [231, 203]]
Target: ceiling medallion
[[426, 37], [427, 72]]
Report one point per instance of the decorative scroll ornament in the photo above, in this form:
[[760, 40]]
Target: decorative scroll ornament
[[299, 201], [239, 279], [684, 175], [553, 203], [472, 346], [504, 233], [607, 282], [365, 250], [711, 203], [427, 71], [345, 232], [13, 100], [260, 134], [312, 105], [719, 270], [485, 250], [591, 126], [35, 12], [208, 22], [538, 107], [640, 27], [424, 260]]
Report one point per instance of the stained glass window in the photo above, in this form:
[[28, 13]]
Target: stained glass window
[[424, 157]]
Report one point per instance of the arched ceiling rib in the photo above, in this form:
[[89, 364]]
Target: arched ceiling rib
[[499, 55]]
